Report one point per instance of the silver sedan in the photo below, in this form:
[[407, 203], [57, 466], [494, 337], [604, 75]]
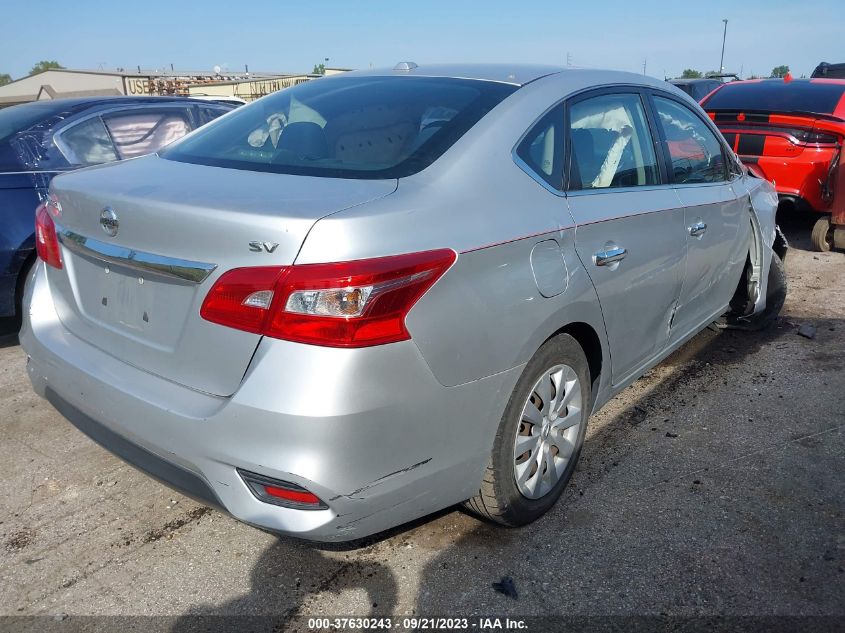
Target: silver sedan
[[372, 296]]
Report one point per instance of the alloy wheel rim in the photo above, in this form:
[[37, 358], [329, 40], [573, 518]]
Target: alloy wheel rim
[[547, 432]]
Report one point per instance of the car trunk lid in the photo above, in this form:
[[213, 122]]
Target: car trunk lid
[[143, 242]]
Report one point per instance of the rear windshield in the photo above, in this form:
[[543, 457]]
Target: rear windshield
[[21, 117], [777, 95], [345, 127]]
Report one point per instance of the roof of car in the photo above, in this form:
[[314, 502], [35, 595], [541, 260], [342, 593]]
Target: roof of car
[[73, 103], [684, 82], [786, 83], [515, 74], [813, 96]]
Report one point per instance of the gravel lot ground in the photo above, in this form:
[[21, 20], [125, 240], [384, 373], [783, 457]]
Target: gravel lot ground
[[714, 485]]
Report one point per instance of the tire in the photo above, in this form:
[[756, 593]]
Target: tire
[[23, 275], [822, 235], [501, 498], [775, 298]]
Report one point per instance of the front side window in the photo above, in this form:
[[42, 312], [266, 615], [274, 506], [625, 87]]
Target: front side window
[[694, 151], [542, 148], [345, 127], [611, 145], [138, 132], [209, 113]]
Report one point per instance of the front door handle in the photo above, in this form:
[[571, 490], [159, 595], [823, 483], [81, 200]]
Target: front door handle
[[611, 256], [698, 229]]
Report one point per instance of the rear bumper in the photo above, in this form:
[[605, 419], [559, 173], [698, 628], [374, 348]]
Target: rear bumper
[[371, 432]]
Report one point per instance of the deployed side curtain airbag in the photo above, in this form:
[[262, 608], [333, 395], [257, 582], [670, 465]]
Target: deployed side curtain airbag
[[139, 134]]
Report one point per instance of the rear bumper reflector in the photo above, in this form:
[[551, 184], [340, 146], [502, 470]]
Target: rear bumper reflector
[[281, 493]]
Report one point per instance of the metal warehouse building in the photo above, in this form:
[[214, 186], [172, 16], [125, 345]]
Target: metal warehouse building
[[59, 83]]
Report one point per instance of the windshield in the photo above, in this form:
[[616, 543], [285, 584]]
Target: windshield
[[345, 127], [777, 95]]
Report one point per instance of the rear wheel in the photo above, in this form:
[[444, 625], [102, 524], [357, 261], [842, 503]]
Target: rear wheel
[[539, 438], [822, 235], [19, 290]]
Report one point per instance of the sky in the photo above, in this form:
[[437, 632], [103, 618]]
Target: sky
[[291, 37]]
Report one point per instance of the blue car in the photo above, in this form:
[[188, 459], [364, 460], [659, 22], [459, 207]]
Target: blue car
[[41, 139]]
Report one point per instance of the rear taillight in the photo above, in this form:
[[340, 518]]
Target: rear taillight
[[818, 137], [46, 241], [345, 304]]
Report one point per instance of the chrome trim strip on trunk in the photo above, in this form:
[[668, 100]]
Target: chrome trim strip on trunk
[[171, 267]]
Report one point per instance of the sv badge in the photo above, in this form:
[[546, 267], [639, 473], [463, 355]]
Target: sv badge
[[259, 247]]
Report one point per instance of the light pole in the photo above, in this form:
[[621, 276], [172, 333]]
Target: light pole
[[722, 60]]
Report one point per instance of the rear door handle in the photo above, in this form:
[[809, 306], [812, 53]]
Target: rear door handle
[[698, 229], [610, 256]]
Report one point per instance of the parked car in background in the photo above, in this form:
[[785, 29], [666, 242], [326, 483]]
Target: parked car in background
[[696, 88], [41, 139], [701, 87], [224, 99], [363, 299], [829, 71], [790, 132]]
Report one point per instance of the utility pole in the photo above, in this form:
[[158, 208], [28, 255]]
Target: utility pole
[[568, 58], [645, 61], [724, 36]]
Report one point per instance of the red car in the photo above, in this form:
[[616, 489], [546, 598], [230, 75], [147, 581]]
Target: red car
[[791, 131]]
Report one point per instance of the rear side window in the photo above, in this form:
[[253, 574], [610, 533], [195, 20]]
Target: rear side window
[[542, 148], [136, 133], [346, 127], [695, 153], [776, 95], [611, 145], [87, 143]]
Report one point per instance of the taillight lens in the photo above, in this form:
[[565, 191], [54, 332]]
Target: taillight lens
[[345, 304], [46, 241]]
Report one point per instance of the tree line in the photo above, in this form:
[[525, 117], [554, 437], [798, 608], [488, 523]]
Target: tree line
[[40, 67], [778, 72]]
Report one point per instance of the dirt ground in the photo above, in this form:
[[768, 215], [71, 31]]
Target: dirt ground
[[713, 485]]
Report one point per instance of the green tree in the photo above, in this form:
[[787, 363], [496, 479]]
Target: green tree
[[689, 73], [5, 79], [779, 72], [319, 69], [43, 65]]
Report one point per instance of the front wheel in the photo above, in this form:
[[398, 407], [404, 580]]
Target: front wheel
[[775, 298], [539, 437]]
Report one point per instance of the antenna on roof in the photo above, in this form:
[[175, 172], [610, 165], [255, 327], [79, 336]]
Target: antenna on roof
[[405, 66]]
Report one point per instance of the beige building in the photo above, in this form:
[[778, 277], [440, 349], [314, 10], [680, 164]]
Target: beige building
[[250, 89], [58, 83]]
